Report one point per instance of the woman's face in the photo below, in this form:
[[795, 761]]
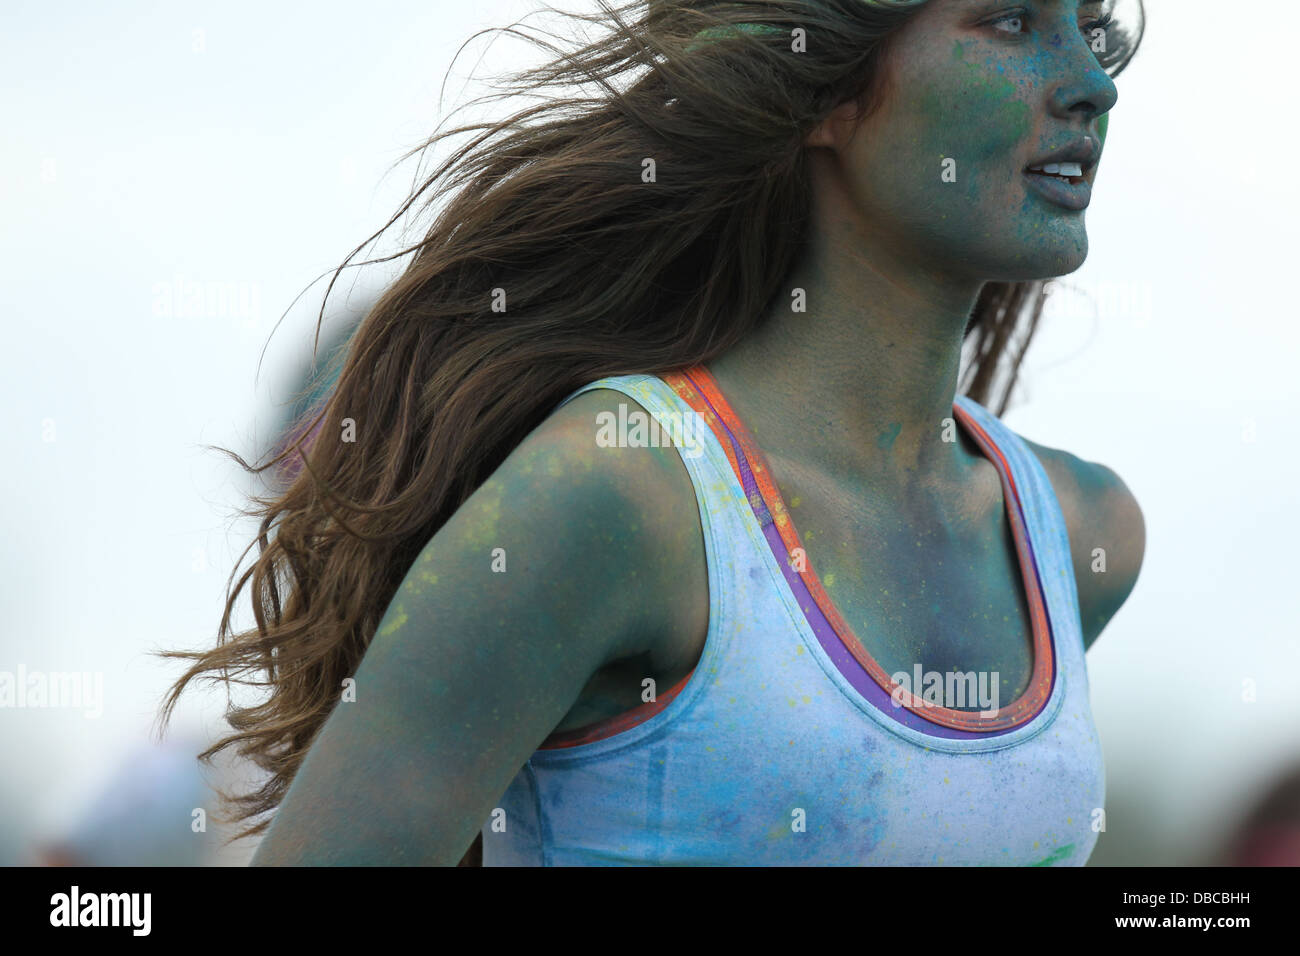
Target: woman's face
[[977, 92]]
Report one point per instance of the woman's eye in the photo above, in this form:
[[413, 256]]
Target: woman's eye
[[1015, 24], [1103, 25]]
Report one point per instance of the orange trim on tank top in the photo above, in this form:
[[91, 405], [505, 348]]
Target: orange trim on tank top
[[600, 729], [1040, 684], [1020, 711]]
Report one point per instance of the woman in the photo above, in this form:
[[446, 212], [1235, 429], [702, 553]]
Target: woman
[[844, 620]]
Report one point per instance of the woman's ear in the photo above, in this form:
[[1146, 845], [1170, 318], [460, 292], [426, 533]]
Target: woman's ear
[[835, 130], [821, 135]]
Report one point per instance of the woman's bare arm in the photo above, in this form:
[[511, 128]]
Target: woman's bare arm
[[1107, 531], [471, 667]]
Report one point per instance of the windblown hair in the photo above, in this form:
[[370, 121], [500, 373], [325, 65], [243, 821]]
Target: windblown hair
[[603, 274]]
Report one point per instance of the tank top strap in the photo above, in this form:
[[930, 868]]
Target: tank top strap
[[723, 510], [726, 487], [676, 423], [723, 478], [1048, 535]]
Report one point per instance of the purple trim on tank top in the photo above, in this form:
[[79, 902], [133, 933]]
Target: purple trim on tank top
[[844, 661]]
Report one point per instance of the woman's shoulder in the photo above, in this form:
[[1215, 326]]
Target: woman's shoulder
[[647, 501], [1107, 532], [650, 476]]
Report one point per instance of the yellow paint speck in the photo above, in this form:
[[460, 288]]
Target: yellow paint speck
[[399, 618]]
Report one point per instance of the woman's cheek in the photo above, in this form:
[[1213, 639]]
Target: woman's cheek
[[974, 139]]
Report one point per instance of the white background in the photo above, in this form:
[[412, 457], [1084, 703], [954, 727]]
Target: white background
[[245, 145]]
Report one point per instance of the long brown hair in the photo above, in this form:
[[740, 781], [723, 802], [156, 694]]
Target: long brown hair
[[603, 271]]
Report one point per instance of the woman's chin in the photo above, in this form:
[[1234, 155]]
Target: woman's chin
[[1044, 261]]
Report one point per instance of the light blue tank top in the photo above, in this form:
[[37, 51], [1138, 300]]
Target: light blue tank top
[[780, 748]]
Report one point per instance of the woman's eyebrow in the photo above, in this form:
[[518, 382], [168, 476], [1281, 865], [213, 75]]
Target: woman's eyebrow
[[1050, 3], [1081, 3]]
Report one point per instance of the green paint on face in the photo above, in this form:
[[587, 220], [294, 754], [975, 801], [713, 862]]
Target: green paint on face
[[942, 164], [1103, 125], [977, 122], [978, 116], [986, 96]]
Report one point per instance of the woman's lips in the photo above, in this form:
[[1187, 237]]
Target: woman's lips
[[1074, 192]]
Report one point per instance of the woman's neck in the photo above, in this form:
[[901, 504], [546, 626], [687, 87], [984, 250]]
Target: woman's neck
[[861, 382]]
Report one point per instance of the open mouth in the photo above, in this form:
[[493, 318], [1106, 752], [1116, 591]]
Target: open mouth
[[1071, 173], [1061, 184]]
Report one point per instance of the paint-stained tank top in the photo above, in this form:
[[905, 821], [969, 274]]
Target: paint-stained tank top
[[787, 744]]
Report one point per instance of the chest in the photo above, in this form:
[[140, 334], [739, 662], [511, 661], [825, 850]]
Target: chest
[[921, 583], [917, 594]]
